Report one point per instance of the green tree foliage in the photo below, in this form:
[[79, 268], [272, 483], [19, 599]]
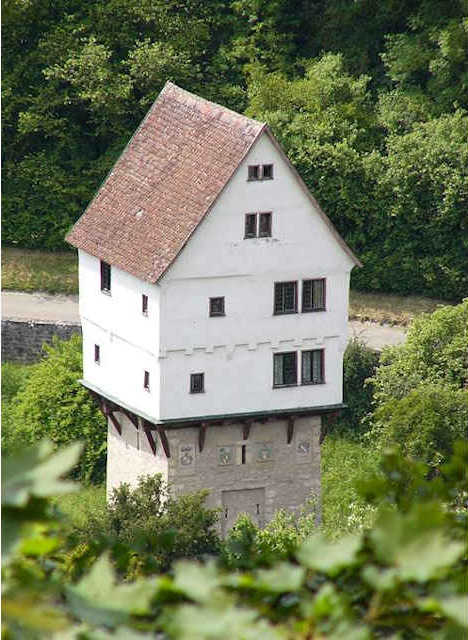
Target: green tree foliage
[[404, 577], [368, 99], [420, 389], [54, 405]]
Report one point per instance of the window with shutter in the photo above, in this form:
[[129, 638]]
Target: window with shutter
[[284, 369], [285, 297]]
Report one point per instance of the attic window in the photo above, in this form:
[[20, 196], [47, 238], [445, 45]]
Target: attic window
[[146, 381], [254, 172], [144, 305], [260, 172], [97, 354], [105, 277]]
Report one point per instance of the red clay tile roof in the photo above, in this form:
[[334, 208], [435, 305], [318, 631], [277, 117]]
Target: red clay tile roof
[[167, 178], [163, 184]]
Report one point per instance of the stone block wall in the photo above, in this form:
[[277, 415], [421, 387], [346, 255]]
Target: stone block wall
[[257, 475], [22, 340]]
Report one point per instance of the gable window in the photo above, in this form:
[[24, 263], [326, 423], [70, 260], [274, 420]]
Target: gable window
[[264, 227], [105, 277], [260, 172], [197, 383], [313, 367], [146, 381], [216, 307], [97, 354], [144, 304], [254, 172], [285, 297], [313, 295], [250, 225], [267, 172], [284, 369]]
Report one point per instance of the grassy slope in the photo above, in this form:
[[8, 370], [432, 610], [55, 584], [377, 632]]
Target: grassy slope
[[25, 270]]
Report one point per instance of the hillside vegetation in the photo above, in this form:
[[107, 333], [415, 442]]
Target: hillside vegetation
[[369, 100]]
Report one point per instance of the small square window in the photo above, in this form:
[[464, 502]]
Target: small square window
[[313, 295], [105, 277], [97, 354], [264, 228], [267, 173], [254, 172], [216, 307], [197, 383], [146, 381], [285, 297], [313, 367], [284, 369], [144, 304], [250, 225]]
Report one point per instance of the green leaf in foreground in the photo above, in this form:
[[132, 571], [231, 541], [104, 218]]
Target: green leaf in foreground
[[454, 608], [98, 599], [282, 578], [329, 557]]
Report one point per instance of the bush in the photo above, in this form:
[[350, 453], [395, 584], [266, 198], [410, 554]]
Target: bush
[[425, 423], [55, 405], [14, 378], [160, 527]]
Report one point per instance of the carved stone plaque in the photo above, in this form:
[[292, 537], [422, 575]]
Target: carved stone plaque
[[303, 448], [264, 452], [186, 455], [225, 455]]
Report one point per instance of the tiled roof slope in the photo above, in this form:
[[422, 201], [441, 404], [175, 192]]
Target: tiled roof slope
[[171, 172]]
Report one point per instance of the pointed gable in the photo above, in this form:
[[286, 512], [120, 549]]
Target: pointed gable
[[171, 172]]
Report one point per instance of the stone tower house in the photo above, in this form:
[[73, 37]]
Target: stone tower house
[[213, 301]]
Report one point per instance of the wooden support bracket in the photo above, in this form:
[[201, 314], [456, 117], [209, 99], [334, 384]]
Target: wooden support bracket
[[149, 435], [246, 429], [108, 412], [201, 436], [290, 429], [164, 441], [131, 416]]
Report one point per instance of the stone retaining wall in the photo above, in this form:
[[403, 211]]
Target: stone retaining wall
[[22, 340]]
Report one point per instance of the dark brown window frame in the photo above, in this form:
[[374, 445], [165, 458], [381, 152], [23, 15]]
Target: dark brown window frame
[[97, 354], [146, 380], [106, 282], [259, 170], [216, 314], [270, 224], [192, 385], [316, 309], [250, 235], [322, 366], [276, 284], [286, 384], [144, 304]]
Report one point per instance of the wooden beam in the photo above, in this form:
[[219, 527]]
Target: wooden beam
[[114, 421], [246, 429], [201, 436], [164, 441], [290, 429], [150, 438], [131, 416]]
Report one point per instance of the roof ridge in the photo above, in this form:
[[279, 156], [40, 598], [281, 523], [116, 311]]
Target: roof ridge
[[199, 100]]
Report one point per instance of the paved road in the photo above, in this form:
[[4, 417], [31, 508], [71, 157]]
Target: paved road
[[49, 308]]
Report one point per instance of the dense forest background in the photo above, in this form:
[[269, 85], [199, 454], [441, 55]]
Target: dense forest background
[[368, 98]]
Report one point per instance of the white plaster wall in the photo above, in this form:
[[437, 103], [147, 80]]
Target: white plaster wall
[[128, 340], [235, 351]]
